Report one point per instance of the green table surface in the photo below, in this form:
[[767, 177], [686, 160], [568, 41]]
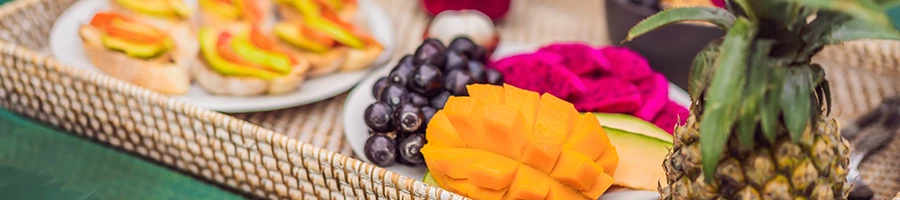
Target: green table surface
[[39, 162]]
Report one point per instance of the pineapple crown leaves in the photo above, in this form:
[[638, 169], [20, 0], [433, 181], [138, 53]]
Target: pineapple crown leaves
[[760, 75]]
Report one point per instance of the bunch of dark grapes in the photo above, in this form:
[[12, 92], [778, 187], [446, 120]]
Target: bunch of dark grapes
[[416, 88]]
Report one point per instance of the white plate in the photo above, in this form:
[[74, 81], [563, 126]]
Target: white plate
[[356, 131], [65, 45]]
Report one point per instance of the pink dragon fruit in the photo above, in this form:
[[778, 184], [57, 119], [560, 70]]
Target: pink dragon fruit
[[655, 94], [626, 64], [540, 72], [579, 58], [719, 3], [670, 116], [609, 95]]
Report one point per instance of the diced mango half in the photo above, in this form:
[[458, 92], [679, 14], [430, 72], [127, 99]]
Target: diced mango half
[[465, 114], [452, 162], [493, 171], [506, 129], [603, 182], [576, 170], [585, 136], [525, 101], [503, 142], [551, 127], [490, 94], [441, 132]]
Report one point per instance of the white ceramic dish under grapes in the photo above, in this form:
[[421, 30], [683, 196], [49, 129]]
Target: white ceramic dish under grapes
[[356, 131]]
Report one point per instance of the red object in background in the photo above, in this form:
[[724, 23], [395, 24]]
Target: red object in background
[[495, 9], [719, 3]]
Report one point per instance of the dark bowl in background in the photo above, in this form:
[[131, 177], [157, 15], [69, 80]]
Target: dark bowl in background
[[670, 49]]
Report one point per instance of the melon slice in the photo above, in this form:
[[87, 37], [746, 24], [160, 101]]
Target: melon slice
[[638, 166], [525, 146], [632, 124]]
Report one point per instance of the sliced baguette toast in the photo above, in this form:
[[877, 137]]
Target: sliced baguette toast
[[182, 31], [218, 84], [160, 74], [320, 64], [358, 59]]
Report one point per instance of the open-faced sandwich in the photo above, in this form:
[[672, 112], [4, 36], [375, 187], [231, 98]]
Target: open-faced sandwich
[[329, 44], [135, 52], [296, 10], [240, 60], [231, 12], [171, 16]]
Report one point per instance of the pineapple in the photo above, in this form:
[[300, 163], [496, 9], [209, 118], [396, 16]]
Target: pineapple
[[759, 126]]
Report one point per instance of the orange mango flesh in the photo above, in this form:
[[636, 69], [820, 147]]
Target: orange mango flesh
[[529, 184], [523, 100], [486, 194], [549, 134], [603, 182], [465, 114], [576, 170], [505, 126], [441, 132], [492, 171], [609, 161], [509, 143], [584, 139], [487, 93]]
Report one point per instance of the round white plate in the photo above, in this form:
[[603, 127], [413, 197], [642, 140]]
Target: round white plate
[[67, 47], [356, 131]]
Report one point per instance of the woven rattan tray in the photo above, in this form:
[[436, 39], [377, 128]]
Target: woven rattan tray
[[213, 146], [246, 157]]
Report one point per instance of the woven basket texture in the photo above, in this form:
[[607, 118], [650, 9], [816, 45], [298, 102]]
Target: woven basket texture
[[290, 153], [217, 147]]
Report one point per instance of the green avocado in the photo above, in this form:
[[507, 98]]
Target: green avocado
[[208, 41], [137, 50], [274, 61], [289, 34], [339, 34], [156, 8]]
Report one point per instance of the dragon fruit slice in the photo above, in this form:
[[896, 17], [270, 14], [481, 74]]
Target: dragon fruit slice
[[609, 95], [539, 72], [580, 58], [655, 94], [626, 64], [671, 115]]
